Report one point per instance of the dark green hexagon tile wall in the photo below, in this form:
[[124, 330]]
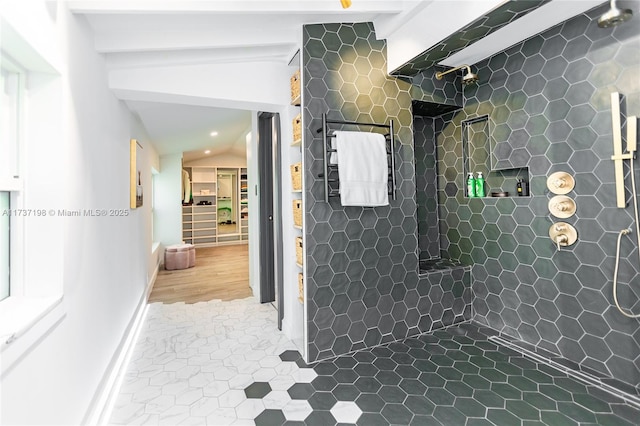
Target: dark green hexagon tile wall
[[548, 101], [548, 105], [363, 286]]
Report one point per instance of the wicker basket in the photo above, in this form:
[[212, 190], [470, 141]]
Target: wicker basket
[[299, 250], [297, 128], [295, 88], [296, 176], [297, 212], [300, 287]]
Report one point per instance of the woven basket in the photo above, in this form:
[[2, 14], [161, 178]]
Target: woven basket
[[297, 128], [297, 212], [299, 250], [296, 176], [295, 88], [300, 287]]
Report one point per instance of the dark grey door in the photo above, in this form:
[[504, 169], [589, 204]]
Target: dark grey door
[[270, 216]]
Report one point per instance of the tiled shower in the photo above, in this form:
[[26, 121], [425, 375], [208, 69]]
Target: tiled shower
[[438, 309], [435, 257]]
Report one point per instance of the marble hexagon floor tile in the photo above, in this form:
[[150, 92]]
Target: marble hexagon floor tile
[[192, 364], [226, 363]]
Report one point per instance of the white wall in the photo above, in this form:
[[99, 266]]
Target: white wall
[[220, 160], [104, 259], [293, 323], [254, 200], [260, 86]]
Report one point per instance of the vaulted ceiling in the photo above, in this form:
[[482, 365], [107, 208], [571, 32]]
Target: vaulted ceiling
[[141, 34], [147, 34]]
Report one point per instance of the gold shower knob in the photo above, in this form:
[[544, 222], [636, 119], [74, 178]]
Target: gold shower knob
[[561, 183], [562, 206]]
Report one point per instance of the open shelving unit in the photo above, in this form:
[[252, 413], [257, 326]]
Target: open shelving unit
[[244, 205], [200, 219]]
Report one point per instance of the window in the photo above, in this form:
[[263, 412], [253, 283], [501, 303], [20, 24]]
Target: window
[[31, 126], [12, 84], [4, 246]]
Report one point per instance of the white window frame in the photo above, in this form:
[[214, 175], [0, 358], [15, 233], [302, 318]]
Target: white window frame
[[11, 181], [27, 314]]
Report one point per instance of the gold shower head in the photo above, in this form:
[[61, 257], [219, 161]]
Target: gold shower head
[[467, 79]]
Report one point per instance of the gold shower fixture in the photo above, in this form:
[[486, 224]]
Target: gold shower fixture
[[467, 79], [345, 3]]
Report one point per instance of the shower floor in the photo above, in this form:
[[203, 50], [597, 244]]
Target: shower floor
[[221, 363], [455, 376]]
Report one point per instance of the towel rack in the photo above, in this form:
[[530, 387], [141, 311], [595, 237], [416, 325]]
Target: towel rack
[[330, 174]]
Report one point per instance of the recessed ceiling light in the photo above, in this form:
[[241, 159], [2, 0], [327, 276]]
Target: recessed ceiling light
[[214, 133], [207, 151]]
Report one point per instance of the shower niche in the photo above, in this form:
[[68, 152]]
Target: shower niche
[[477, 158]]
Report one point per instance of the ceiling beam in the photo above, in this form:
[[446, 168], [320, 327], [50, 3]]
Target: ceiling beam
[[236, 7], [148, 41]]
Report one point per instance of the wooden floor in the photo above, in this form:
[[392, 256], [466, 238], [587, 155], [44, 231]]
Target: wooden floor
[[220, 273]]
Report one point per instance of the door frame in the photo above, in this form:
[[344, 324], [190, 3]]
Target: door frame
[[270, 206]]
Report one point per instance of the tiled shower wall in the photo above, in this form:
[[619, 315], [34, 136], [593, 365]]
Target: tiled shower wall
[[426, 187], [362, 281], [548, 101]]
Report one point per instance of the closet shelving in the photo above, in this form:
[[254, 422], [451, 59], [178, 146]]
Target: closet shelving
[[244, 204], [200, 218]]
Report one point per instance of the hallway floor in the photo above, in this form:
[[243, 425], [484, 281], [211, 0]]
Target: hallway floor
[[220, 273], [223, 363]]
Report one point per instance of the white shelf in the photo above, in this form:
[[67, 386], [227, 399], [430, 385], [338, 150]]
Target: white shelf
[[200, 222], [298, 227], [297, 142], [202, 237]]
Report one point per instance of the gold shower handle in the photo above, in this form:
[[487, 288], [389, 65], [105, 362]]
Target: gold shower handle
[[563, 234]]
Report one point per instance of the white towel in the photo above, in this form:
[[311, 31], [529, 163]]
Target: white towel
[[186, 186], [362, 169]]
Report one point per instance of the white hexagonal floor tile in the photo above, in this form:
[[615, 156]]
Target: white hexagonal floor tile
[[204, 406], [250, 409], [215, 388], [297, 410], [232, 398], [304, 375], [276, 400], [222, 416], [160, 404], [346, 412]]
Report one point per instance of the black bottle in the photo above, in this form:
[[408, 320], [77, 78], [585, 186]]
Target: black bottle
[[522, 188]]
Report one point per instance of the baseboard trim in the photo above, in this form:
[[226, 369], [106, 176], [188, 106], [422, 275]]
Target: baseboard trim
[[106, 395]]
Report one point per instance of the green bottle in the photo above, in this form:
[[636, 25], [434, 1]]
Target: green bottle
[[480, 185], [471, 186]]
